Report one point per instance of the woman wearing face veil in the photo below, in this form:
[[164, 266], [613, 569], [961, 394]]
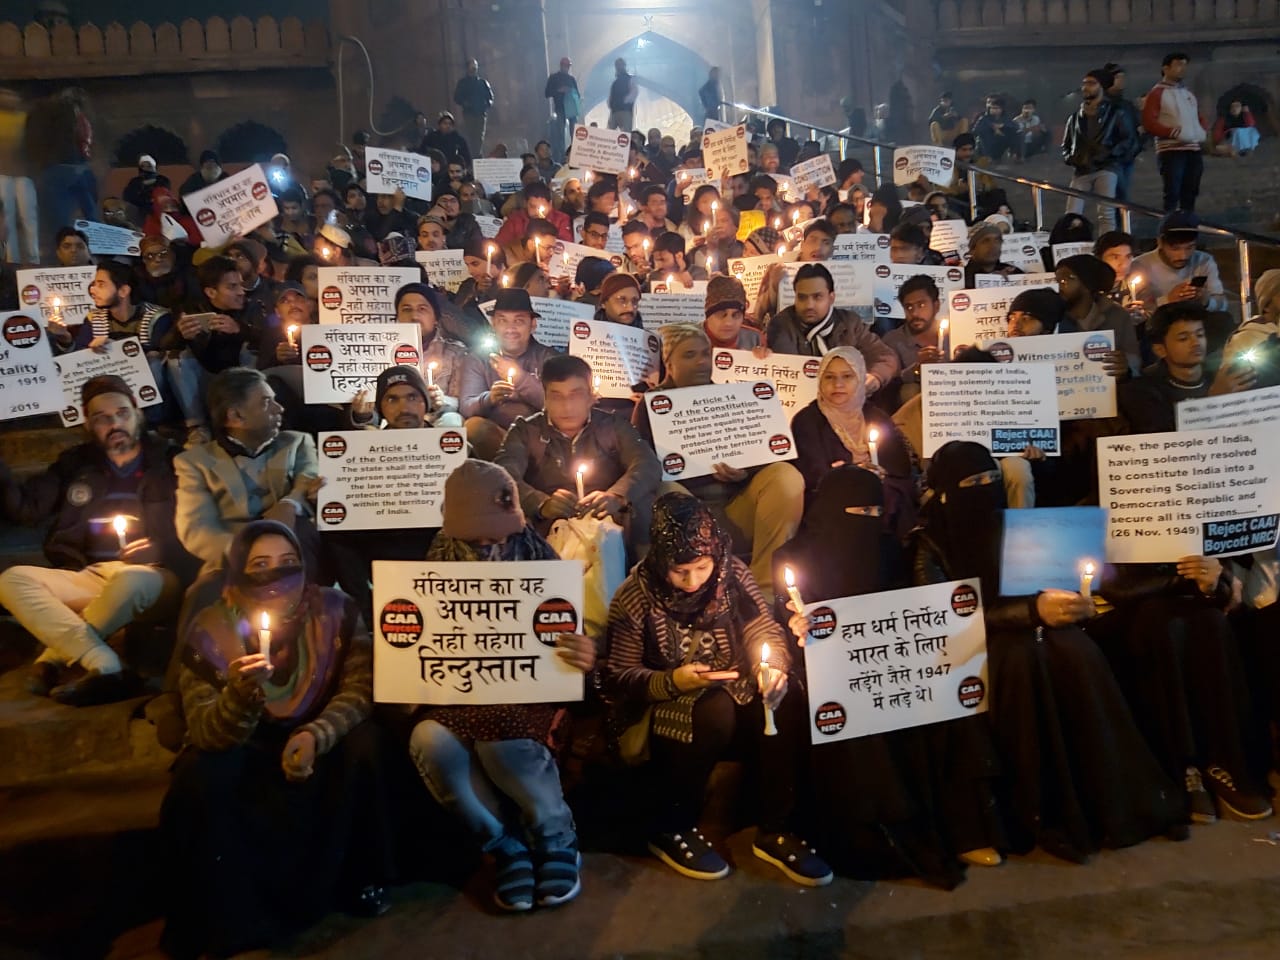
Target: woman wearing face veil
[[276, 812], [1078, 775], [909, 802]]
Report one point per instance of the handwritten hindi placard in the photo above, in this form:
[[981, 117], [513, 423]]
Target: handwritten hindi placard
[[854, 282], [1248, 409], [870, 247], [889, 661], [891, 277], [232, 207], [813, 174], [738, 424], [1063, 250], [935, 164], [338, 360], [619, 356], [1017, 282], [1004, 407], [1085, 390], [120, 358], [500, 174], [951, 239], [474, 632], [29, 383], [1048, 547], [604, 151], [106, 240], [69, 286], [1209, 493], [386, 479], [724, 152], [978, 316], [361, 294], [796, 378], [392, 170], [1022, 250], [445, 268]]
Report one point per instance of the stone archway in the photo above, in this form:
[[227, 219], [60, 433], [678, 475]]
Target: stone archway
[[668, 74]]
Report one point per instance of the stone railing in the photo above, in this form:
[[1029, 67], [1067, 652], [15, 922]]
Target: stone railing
[[965, 21], [32, 52]]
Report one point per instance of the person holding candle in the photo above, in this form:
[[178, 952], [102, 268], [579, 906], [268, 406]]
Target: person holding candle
[[682, 674], [538, 206], [670, 264], [280, 359], [1077, 774], [113, 551], [697, 213], [465, 321], [291, 732], [920, 339], [1084, 282], [490, 401], [720, 243], [917, 801], [637, 241], [834, 430]]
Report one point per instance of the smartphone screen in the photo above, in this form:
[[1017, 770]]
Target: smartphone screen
[[1199, 281]]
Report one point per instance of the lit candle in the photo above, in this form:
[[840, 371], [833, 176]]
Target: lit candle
[[671, 282], [1134, 283], [542, 210], [488, 258], [581, 472], [682, 176], [121, 525], [873, 436], [431, 373], [511, 375], [293, 335], [645, 243], [711, 264], [766, 675], [777, 223], [706, 226], [325, 252], [1086, 581], [537, 249], [631, 172], [795, 217], [506, 281], [942, 337], [56, 310], [587, 178], [595, 384], [792, 590], [264, 635], [782, 249], [715, 205]]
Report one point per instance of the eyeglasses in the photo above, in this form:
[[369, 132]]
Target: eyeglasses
[[156, 255]]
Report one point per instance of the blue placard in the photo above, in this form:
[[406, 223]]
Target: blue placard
[[1047, 547]]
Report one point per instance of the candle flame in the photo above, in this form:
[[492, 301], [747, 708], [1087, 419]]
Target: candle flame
[[491, 249], [1088, 569], [57, 302], [942, 324], [788, 576], [1135, 281], [506, 281], [795, 217], [432, 365], [120, 524], [293, 330], [511, 374], [782, 248], [582, 469], [671, 278], [873, 435], [265, 620], [777, 223], [764, 653]]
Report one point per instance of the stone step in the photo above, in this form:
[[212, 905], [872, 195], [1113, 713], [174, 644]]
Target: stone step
[[30, 445]]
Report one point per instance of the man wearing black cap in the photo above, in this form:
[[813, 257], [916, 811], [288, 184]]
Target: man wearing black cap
[[1175, 271], [503, 383], [207, 173], [1084, 283], [1096, 142], [115, 557]]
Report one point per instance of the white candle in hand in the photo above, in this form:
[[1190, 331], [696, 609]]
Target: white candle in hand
[[942, 338], [792, 590], [873, 437], [582, 470], [121, 525], [264, 635], [511, 375], [431, 373], [766, 676], [1086, 581]]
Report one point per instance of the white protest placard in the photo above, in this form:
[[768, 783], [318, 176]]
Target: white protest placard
[[489, 226], [1022, 250], [688, 181], [891, 277], [724, 152], [750, 271], [854, 282], [386, 479], [889, 661], [339, 359], [474, 632], [950, 238], [499, 174], [870, 247], [445, 268], [119, 358], [1248, 409], [106, 240], [739, 424], [29, 383], [362, 294], [813, 174], [786, 187], [978, 316], [619, 356], [604, 151], [1085, 390], [659, 309], [1205, 493], [566, 256], [711, 123], [1063, 250], [1014, 281], [934, 163], [232, 207], [1050, 548], [669, 284], [61, 292], [555, 317], [392, 170], [1004, 407], [796, 378]]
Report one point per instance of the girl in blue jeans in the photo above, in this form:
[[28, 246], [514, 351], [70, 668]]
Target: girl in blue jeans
[[489, 765]]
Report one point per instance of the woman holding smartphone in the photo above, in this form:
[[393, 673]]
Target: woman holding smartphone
[[690, 679]]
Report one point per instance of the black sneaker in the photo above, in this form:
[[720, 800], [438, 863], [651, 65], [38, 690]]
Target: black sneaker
[[690, 853], [1238, 801], [559, 877], [43, 676], [513, 881], [1200, 805], [794, 857], [95, 689]]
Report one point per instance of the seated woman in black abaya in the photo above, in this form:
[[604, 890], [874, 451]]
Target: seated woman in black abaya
[[915, 801], [1078, 775], [277, 812]]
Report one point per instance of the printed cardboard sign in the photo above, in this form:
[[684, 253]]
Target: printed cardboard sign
[[60, 293], [362, 294], [29, 383], [796, 378], [106, 240], [619, 356], [232, 207], [936, 164], [119, 358], [1004, 407], [724, 152], [604, 151], [1085, 390], [392, 170], [340, 359]]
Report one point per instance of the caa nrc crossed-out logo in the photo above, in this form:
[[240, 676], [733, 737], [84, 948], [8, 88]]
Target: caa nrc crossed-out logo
[[553, 617], [400, 623], [21, 331]]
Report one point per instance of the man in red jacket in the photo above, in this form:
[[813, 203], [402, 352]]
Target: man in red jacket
[[1170, 114]]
